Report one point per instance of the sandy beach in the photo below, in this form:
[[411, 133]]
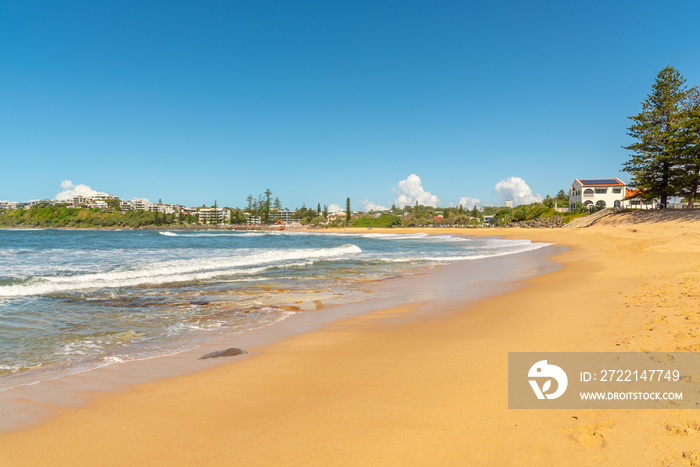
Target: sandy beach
[[380, 389]]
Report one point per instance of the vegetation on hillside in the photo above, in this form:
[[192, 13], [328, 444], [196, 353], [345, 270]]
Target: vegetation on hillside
[[61, 216]]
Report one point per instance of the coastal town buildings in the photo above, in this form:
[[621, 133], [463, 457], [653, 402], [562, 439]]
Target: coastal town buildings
[[251, 219], [277, 214], [338, 215], [9, 205], [141, 204], [213, 215]]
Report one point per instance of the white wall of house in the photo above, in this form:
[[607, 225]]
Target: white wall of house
[[604, 195], [611, 195]]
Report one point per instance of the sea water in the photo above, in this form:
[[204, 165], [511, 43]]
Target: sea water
[[74, 300]]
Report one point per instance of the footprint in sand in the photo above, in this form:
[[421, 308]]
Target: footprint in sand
[[663, 358], [690, 428], [588, 435]]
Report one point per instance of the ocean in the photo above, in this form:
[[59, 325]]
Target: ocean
[[75, 300]]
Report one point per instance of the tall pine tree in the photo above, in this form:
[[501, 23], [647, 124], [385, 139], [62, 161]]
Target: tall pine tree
[[266, 205], [655, 155], [686, 177]]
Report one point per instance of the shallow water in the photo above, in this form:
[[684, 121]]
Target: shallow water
[[76, 300]]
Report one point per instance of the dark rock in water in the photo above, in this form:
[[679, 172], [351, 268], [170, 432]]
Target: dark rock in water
[[224, 353]]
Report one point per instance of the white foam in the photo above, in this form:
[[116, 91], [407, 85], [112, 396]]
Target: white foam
[[377, 236], [222, 234], [243, 262], [501, 248]]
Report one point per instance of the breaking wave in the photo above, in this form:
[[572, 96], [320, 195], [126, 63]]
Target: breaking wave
[[252, 262]]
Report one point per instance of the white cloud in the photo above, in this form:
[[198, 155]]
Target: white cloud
[[411, 190], [467, 202], [372, 206], [335, 208], [70, 191], [515, 188]]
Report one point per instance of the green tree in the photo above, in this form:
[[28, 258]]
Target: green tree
[[687, 171], [113, 203], [348, 213], [562, 199], [250, 203], [267, 204], [654, 154]]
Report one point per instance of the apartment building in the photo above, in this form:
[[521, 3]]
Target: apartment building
[[277, 214], [213, 215]]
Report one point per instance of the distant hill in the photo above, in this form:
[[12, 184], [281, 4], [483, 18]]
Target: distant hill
[[58, 217]]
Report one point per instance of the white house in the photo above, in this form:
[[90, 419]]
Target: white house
[[600, 192], [635, 202], [606, 193], [337, 215]]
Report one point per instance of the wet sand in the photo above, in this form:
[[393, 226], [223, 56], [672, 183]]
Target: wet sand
[[402, 386]]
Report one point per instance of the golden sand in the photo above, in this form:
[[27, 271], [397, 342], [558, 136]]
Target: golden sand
[[374, 390]]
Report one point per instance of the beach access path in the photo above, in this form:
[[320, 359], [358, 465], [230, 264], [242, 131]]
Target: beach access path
[[378, 389]]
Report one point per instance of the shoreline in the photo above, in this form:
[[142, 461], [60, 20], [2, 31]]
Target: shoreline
[[374, 389], [30, 403]]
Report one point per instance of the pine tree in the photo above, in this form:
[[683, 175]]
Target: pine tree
[[265, 205], [348, 213], [655, 155], [686, 177], [250, 204]]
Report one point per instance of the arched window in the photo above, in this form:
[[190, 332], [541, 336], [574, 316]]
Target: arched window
[[600, 204], [588, 193]]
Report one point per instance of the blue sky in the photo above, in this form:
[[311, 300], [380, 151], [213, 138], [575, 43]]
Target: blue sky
[[320, 100]]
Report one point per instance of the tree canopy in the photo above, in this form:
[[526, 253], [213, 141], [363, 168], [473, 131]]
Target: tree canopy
[[664, 160]]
